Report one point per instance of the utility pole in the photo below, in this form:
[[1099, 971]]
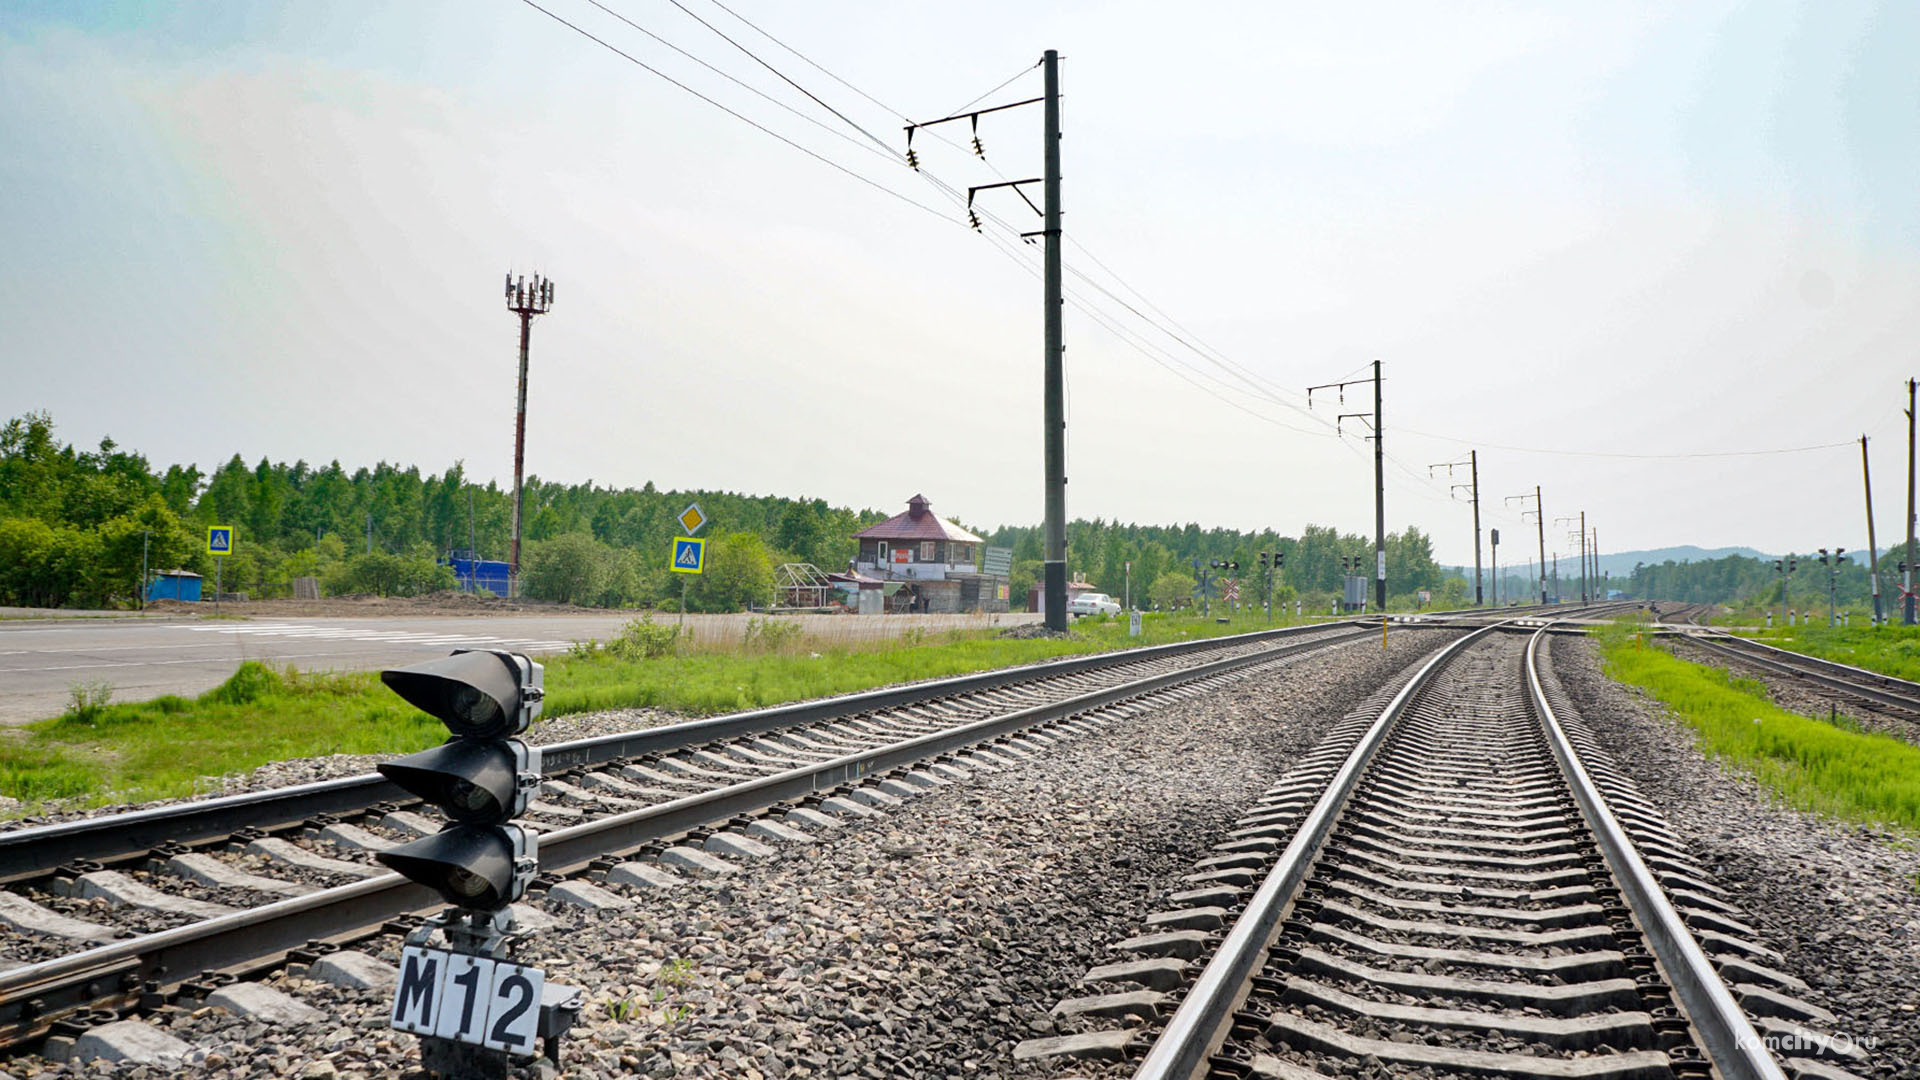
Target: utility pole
[[1494, 550], [1473, 464], [1906, 582], [1600, 592], [1873, 550], [146, 536], [1379, 475], [1541, 521], [1053, 385], [1056, 432], [525, 299], [1583, 553]]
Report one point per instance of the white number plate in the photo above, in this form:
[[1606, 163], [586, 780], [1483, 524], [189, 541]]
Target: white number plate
[[468, 999]]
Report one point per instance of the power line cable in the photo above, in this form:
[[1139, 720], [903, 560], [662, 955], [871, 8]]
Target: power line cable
[[1677, 456], [1010, 80], [817, 156], [783, 75], [776, 102]]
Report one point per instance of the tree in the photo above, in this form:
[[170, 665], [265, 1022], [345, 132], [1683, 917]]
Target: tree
[[739, 572], [569, 569], [800, 531], [1172, 590], [151, 536]]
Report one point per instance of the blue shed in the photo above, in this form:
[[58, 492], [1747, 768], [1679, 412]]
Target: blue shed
[[478, 574], [175, 585]]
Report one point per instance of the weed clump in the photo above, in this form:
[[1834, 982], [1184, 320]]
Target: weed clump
[[87, 702], [643, 639]]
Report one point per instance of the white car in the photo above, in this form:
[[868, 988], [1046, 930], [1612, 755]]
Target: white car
[[1093, 603]]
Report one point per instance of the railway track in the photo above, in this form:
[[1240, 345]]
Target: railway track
[[1871, 690], [253, 887], [1456, 884]]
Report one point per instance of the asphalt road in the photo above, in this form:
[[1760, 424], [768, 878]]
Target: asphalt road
[[142, 658]]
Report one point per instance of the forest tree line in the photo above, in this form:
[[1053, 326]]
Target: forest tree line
[[76, 527]]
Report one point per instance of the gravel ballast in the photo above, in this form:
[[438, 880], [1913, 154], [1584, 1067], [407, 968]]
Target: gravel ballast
[[1841, 902], [927, 941]]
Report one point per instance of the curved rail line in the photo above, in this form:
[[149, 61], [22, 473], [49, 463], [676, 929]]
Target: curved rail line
[[1872, 688], [643, 805], [1465, 888]]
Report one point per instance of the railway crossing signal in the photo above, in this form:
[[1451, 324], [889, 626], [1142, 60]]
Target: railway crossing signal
[[473, 1009], [1232, 587]]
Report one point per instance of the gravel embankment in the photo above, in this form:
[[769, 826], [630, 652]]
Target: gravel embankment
[[1841, 902], [923, 943]]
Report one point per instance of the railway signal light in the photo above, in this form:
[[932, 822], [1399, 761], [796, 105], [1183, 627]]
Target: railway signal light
[[481, 777]]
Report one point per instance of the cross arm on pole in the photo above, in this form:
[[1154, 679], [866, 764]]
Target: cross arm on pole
[[1365, 418]]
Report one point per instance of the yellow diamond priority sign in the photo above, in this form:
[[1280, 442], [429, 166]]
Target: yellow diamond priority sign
[[692, 518]]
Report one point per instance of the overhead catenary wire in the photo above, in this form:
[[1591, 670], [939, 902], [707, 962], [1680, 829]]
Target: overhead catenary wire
[[749, 88], [1176, 333], [816, 155], [1631, 456], [724, 36], [1245, 382]]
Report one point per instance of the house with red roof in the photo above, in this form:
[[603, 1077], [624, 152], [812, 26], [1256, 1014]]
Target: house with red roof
[[934, 559]]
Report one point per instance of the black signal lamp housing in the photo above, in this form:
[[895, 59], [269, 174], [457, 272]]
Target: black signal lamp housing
[[476, 781], [477, 694], [478, 868]]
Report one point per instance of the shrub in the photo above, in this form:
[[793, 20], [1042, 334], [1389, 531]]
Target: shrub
[[569, 569], [86, 701], [643, 639], [771, 635]]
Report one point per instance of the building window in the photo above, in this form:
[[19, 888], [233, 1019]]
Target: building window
[[929, 550]]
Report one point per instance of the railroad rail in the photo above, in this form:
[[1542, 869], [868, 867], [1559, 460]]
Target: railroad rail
[[312, 883], [31, 853], [1882, 693], [1461, 884]]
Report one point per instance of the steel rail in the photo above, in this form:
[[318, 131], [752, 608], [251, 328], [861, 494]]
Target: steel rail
[[1727, 1035], [35, 852], [34, 995], [1204, 1015], [1810, 667]]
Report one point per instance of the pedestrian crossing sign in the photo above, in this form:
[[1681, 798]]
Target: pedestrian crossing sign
[[689, 555], [219, 539]]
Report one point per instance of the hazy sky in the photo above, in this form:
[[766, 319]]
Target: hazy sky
[[1568, 231]]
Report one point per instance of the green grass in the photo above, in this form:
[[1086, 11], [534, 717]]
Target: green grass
[[1890, 650], [1810, 764], [171, 746]]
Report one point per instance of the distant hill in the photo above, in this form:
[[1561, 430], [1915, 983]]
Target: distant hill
[[1622, 564]]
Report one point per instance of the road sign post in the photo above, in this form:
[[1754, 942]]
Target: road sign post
[[691, 520], [219, 545]]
